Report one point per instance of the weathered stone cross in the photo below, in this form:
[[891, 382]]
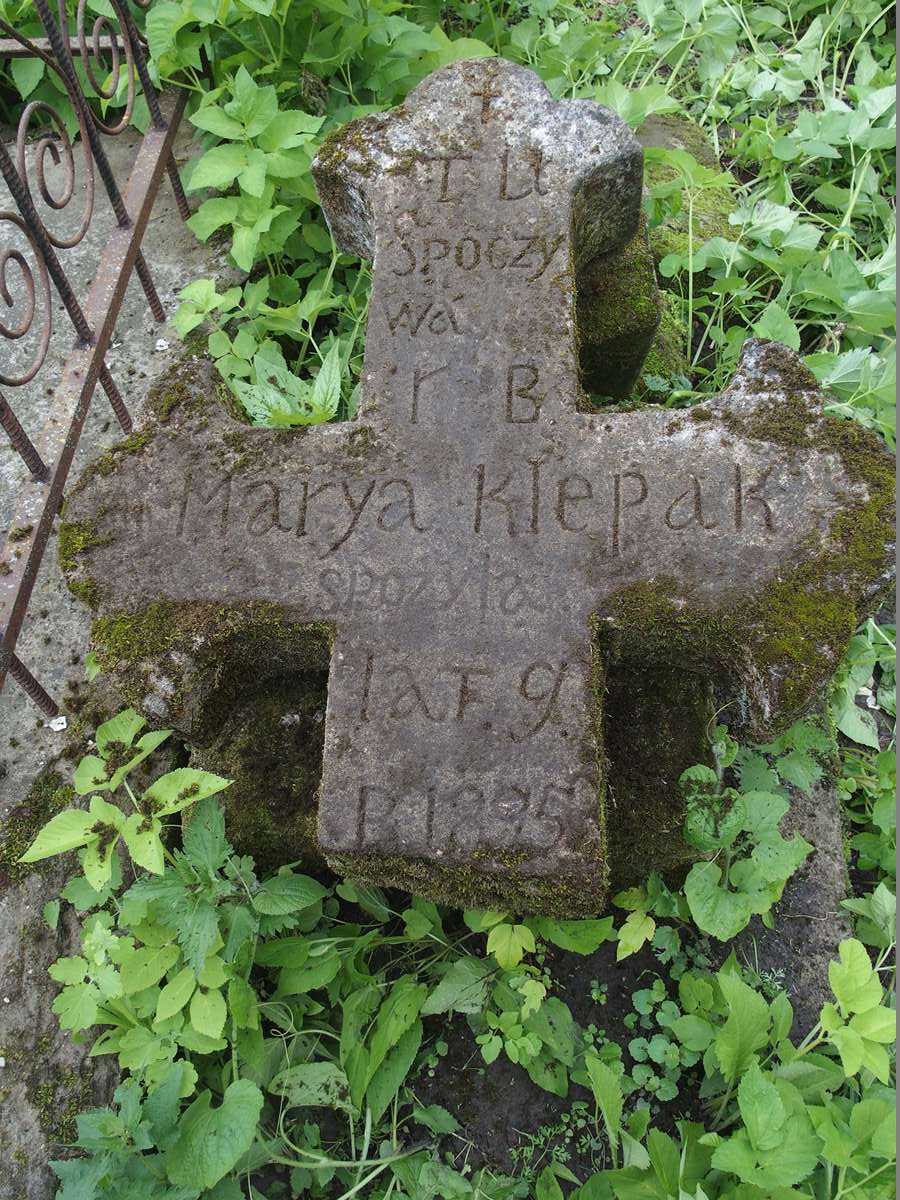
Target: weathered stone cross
[[480, 555]]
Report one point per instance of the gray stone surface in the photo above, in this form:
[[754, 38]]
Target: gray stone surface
[[474, 554], [44, 1078]]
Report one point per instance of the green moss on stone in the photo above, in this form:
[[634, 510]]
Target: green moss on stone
[[48, 796], [58, 1103], [205, 651], [513, 891], [271, 746], [617, 314], [21, 534]]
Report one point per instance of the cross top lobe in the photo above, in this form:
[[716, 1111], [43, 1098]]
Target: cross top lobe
[[485, 555]]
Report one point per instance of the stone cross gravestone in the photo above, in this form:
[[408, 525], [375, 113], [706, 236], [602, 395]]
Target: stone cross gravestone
[[474, 558]]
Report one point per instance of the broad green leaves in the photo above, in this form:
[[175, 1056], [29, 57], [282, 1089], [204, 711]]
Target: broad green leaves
[[211, 1141]]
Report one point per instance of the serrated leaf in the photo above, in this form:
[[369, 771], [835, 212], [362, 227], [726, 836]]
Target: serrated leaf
[[388, 1079], [761, 1110], [638, 928], [287, 893], [745, 1031], [462, 989]]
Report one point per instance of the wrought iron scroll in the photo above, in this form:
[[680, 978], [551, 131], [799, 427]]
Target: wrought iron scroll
[[41, 174]]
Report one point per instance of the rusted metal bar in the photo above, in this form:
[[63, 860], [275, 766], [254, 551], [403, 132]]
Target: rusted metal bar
[[65, 63], [29, 685], [83, 370], [22, 443], [22, 47]]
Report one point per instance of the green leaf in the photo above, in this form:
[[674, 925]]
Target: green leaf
[[761, 1110], [462, 989], [853, 980], [212, 215], [242, 1004], [27, 73], [777, 326], [119, 731], [214, 120], [211, 1141], [315, 1084], [509, 943], [693, 1032], [204, 840], [208, 1012], [746, 1029], [387, 1080], [547, 1186], [76, 1006], [218, 168], [607, 1096], [68, 970], [175, 995], [146, 966], [175, 791], [287, 893], [435, 1118], [142, 837], [65, 831], [295, 981], [715, 910], [397, 1013], [876, 1024], [583, 937], [638, 928]]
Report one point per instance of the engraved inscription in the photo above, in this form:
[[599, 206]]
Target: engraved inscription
[[527, 254]]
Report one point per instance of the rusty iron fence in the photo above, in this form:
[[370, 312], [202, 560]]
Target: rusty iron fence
[[112, 59]]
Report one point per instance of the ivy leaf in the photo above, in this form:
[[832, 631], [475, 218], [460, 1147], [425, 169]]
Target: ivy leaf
[[211, 1141]]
